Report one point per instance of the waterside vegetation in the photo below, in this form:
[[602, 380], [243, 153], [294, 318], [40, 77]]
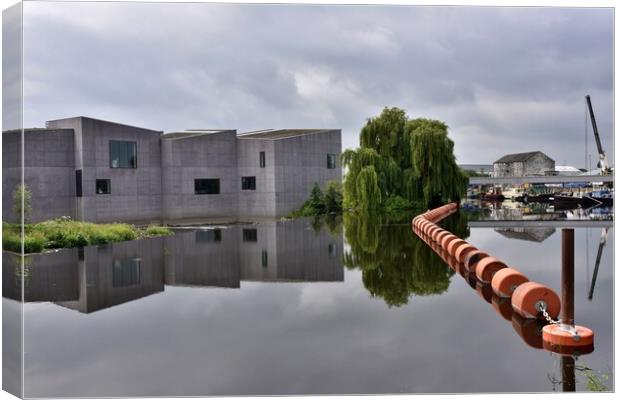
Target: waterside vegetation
[[64, 233]]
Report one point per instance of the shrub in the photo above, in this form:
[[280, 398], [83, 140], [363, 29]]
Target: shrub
[[153, 230], [34, 243], [11, 241]]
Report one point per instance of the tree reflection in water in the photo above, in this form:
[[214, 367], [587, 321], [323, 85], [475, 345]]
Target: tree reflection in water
[[395, 262]]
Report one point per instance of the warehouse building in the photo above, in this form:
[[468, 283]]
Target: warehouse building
[[533, 163], [102, 171]]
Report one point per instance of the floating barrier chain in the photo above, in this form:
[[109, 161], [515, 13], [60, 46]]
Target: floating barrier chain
[[545, 314]]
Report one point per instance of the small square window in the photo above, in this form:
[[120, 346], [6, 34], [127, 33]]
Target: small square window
[[206, 186], [102, 186], [248, 183], [332, 250], [331, 161], [250, 235], [262, 159]]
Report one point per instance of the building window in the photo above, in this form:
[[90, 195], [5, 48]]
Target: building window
[[102, 186], [123, 154], [264, 260], [262, 159], [78, 183], [126, 272], [332, 250], [209, 235], [250, 235], [206, 186], [331, 161], [248, 183]]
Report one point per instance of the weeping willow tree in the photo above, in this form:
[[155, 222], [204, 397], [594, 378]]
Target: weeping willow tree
[[412, 160]]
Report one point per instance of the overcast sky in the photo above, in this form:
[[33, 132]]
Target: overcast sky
[[504, 79]]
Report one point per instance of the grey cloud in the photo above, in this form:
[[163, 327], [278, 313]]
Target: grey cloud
[[511, 77]]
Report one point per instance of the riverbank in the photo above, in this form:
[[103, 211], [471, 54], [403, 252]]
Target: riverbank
[[64, 233]]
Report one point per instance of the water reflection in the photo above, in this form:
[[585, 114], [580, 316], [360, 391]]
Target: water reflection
[[396, 264], [99, 277], [513, 211], [529, 234]]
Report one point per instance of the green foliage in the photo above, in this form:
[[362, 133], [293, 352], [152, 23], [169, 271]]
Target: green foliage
[[369, 195], [412, 159], [319, 203], [594, 382], [64, 233], [21, 202], [395, 263], [153, 230]]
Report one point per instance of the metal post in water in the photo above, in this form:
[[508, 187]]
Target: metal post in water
[[567, 316], [568, 374]]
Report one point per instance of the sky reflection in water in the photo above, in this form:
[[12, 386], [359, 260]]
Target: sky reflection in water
[[294, 308]]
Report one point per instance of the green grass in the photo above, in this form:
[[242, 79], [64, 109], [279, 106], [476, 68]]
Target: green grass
[[63, 233]]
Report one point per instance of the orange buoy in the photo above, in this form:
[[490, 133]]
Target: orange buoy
[[434, 230], [506, 280], [487, 267], [442, 235], [436, 234], [462, 251], [453, 245], [447, 239], [502, 306], [564, 339], [472, 258], [484, 290], [530, 330], [529, 298]]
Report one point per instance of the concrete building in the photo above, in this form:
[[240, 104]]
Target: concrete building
[[101, 171], [534, 163]]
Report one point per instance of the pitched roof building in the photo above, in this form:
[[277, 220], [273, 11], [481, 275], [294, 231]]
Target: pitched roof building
[[532, 163]]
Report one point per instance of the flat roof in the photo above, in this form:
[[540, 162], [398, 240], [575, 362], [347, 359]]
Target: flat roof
[[275, 134], [103, 120], [193, 133]]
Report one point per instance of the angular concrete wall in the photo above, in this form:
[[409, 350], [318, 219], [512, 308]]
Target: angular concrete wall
[[262, 201], [48, 172], [210, 156], [135, 192], [301, 162]]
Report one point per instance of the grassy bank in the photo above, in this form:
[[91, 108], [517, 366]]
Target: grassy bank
[[62, 233]]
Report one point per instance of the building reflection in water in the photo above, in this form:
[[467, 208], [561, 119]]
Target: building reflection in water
[[98, 277], [538, 235]]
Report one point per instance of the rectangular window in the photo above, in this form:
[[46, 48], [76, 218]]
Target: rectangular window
[[78, 183], [123, 154], [262, 159], [250, 235], [206, 186], [102, 186], [264, 260], [126, 272], [331, 161], [209, 235], [332, 250], [248, 183]]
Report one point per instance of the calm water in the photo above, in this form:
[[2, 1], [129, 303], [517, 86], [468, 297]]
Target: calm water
[[296, 308]]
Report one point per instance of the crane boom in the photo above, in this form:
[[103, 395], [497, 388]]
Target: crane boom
[[601, 153]]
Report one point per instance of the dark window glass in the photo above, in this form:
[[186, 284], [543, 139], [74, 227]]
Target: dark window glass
[[331, 161], [78, 183], [206, 186], [248, 183], [264, 260], [126, 272], [250, 235], [262, 159], [102, 186], [209, 235], [332, 250], [123, 154]]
